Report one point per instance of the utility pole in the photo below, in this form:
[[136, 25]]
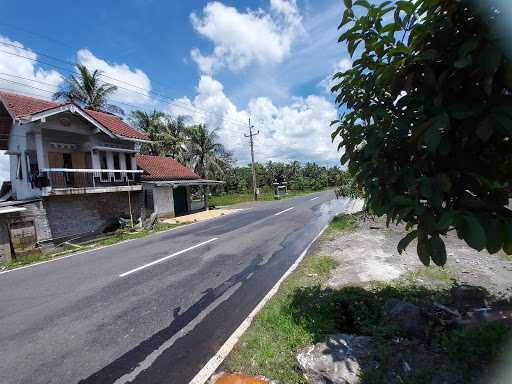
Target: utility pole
[[251, 140]]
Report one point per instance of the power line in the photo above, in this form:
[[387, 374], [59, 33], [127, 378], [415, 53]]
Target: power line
[[37, 34], [53, 85], [162, 97], [51, 92]]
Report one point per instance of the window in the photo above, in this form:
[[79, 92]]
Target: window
[[117, 166]]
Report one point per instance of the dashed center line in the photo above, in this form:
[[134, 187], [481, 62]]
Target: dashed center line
[[286, 210], [167, 257], [314, 198]]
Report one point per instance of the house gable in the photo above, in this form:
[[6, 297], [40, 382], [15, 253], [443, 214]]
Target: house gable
[[25, 108]]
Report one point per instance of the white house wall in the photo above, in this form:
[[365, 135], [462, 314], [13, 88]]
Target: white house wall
[[67, 129]]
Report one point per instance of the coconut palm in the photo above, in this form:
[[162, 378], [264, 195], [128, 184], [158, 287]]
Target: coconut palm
[[150, 123], [87, 89], [166, 133], [203, 152], [172, 137]]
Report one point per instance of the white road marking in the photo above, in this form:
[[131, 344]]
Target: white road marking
[[211, 366], [150, 359], [314, 198], [167, 257], [286, 210], [94, 249]]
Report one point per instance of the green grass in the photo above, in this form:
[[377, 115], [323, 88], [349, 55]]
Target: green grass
[[36, 255], [341, 223], [237, 198], [268, 347], [304, 312]]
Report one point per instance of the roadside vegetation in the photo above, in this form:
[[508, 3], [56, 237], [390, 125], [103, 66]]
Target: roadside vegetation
[[427, 133], [236, 198], [37, 255], [305, 311], [269, 346]]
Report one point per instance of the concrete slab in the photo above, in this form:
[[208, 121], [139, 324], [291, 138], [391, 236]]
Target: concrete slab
[[201, 216]]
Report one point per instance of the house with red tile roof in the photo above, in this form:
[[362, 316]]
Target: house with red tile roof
[[83, 168]]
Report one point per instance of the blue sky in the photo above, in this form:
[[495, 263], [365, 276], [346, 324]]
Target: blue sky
[[218, 62]]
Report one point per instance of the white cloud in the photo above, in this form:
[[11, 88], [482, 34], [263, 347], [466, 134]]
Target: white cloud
[[300, 131], [341, 66], [241, 38], [135, 82], [15, 70]]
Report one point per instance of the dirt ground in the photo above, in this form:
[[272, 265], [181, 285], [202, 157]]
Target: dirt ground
[[369, 254]]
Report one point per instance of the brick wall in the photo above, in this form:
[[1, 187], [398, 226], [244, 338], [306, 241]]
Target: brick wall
[[89, 213]]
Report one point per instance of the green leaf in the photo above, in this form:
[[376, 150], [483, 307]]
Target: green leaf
[[468, 46], [432, 138], [493, 235], [363, 3], [444, 182], [462, 111], [484, 130], [406, 6], [352, 45], [445, 221], [348, 3], [426, 187], [406, 240], [490, 59], [462, 62], [438, 250], [424, 250], [473, 233]]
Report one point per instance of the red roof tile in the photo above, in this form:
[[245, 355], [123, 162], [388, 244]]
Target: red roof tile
[[163, 168], [115, 125], [21, 106]]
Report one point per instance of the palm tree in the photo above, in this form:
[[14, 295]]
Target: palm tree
[[86, 89], [173, 137], [149, 123], [203, 151], [166, 133]]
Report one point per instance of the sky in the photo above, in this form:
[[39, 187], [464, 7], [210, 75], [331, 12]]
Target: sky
[[216, 62]]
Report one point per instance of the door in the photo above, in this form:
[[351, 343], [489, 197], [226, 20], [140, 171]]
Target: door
[[79, 161], [180, 201], [57, 179]]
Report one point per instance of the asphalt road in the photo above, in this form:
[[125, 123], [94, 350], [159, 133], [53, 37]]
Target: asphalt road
[[106, 316]]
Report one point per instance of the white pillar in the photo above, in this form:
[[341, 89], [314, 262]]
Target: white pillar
[[41, 155]]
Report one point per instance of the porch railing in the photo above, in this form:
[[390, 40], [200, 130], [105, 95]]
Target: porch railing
[[63, 178]]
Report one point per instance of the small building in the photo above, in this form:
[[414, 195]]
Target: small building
[[169, 187], [75, 171]]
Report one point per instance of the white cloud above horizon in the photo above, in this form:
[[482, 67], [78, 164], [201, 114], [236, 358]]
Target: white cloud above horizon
[[134, 86], [299, 131], [19, 71], [241, 38], [341, 66]]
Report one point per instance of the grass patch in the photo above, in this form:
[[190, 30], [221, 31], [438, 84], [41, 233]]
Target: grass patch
[[304, 312], [476, 346], [237, 198], [268, 347], [341, 223], [37, 255]]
